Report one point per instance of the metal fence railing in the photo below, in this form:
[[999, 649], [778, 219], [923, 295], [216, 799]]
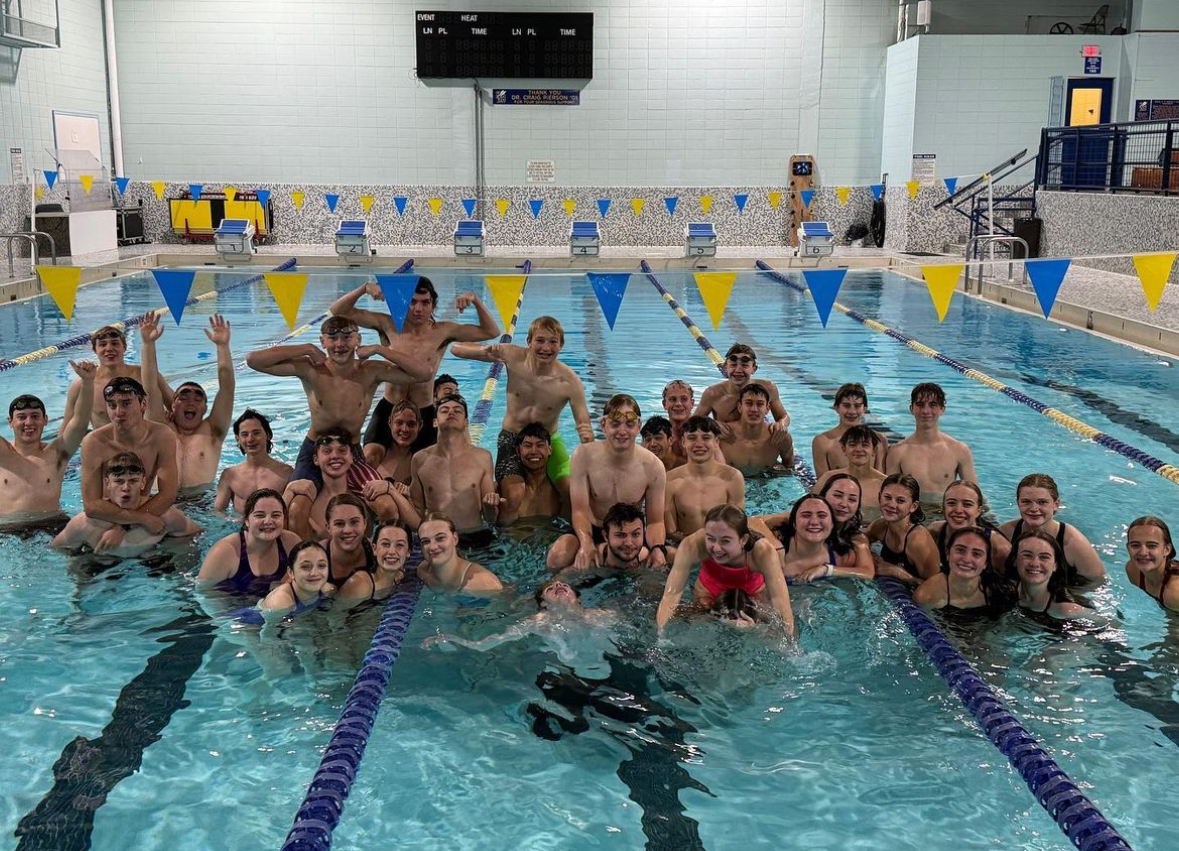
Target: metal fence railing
[[1139, 156]]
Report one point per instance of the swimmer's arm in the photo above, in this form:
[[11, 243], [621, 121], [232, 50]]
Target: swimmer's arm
[[221, 561], [863, 567], [1000, 550], [490, 508], [149, 367], [582, 515], [345, 306], [221, 414], [819, 459], [285, 361], [69, 438], [488, 354], [413, 508], [512, 633], [765, 560], [1084, 556], [1170, 597], [224, 491], [73, 535], [966, 465], [401, 368], [880, 456], [71, 402], [735, 492], [785, 446], [167, 474], [671, 528], [895, 459], [761, 524], [580, 410], [931, 593], [922, 551], [655, 501], [487, 328], [704, 407], [179, 525], [777, 409], [276, 601], [686, 557]]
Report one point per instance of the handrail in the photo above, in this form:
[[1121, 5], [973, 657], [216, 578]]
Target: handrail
[[1011, 163], [48, 236], [989, 240], [9, 237]]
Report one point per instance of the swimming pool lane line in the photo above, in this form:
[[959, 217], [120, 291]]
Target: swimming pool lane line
[[126, 324], [1170, 472], [323, 805]]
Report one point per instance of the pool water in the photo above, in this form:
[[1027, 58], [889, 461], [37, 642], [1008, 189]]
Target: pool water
[[196, 734]]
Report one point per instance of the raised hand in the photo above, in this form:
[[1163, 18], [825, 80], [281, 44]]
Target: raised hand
[[150, 328], [316, 355], [85, 369], [366, 352], [218, 330], [464, 301], [374, 291]]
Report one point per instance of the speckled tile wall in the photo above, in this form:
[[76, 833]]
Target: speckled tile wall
[[14, 207]]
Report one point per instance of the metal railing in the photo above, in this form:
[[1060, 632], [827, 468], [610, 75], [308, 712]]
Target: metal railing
[[975, 249], [1136, 156], [31, 236]]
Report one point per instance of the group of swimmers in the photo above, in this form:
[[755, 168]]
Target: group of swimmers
[[674, 503]]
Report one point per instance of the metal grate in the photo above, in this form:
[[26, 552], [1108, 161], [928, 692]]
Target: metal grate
[[1139, 156]]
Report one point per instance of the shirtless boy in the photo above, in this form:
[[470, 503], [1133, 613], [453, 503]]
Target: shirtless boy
[[541, 497], [539, 388], [934, 459], [125, 481], [422, 337], [858, 444], [110, 344], [607, 472], [851, 403], [752, 445], [723, 400], [679, 399], [198, 437], [624, 528], [32, 471], [259, 470], [333, 458], [656, 436], [700, 484]]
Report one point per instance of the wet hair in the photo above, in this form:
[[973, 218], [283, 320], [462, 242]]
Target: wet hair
[[1000, 592], [539, 595], [426, 287], [296, 551], [452, 397], [337, 324], [104, 332], [978, 531], [346, 499], [845, 530], [1157, 523], [982, 500], [735, 519], [194, 385], [123, 384], [787, 530], [696, 423], [390, 524], [913, 487], [740, 349], [620, 513], [547, 323], [1058, 581], [24, 402], [444, 379], [257, 496], [656, 425], [123, 459], [406, 405], [859, 434], [732, 603], [533, 430], [678, 383], [1038, 480], [333, 435], [436, 516], [852, 390], [928, 391], [251, 414], [753, 389], [621, 400]]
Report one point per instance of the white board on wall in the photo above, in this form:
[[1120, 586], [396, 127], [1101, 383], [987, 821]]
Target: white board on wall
[[77, 131]]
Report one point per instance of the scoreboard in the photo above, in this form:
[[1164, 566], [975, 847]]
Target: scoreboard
[[558, 45]]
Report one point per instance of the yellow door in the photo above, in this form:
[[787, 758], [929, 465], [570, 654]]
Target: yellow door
[[1086, 108]]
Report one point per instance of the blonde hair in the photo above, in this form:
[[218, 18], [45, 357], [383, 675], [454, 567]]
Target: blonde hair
[[547, 323]]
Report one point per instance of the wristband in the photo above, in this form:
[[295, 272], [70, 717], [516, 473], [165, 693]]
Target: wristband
[[830, 570]]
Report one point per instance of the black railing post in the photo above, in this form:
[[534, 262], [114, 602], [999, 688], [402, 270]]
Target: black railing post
[[1168, 155]]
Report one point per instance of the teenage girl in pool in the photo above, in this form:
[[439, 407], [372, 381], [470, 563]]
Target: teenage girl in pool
[[962, 506], [392, 551], [306, 586], [1039, 564], [1152, 565], [907, 550], [405, 424], [843, 493], [347, 546], [971, 584], [808, 543], [253, 559], [443, 569], [1038, 500]]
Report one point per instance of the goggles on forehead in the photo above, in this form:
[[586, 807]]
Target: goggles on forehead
[[741, 360], [628, 417], [123, 385], [125, 470], [328, 440], [24, 403]]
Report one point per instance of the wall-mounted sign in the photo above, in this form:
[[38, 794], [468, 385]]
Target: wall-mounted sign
[[16, 160], [535, 97], [1091, 50], [1092, 64], [541, 171], [1156, 110], [924, 169]]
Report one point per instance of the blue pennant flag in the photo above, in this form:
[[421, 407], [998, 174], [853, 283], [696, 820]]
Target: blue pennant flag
[[263, 197], [609, 288], [398, 291], [877, 190], [671, 202], [824, 285], [469, 206], [332, 200], [194, 189], [399, 202], [536, 204], [50, 177], [175, 285], [741, 201], [951, 184], [807, 196], [122, 183], [1047, 276], [603, 206]]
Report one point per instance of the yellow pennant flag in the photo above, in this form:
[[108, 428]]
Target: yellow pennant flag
[[61, 282], [913, 186], [506, 290], [941, 281], [775, 199], [287, 289], [569, 204], [705, 206], [87, 181], [637, 205], [715, 288], [40, 191], [159, 186], [230, 193], [435, 205], [366, 202], [843, 192], [501, 205], [297, 198], [1153, 270]]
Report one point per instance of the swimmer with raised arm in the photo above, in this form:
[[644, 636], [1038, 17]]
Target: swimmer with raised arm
[[931, 457], [443, 569], [110, 346], [255, 440], [1152, 565], [858, 444], [751, 445], [1038, 500], [722, 400], [253, 559], [694, 488]]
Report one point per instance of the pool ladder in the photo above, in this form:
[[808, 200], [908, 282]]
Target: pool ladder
[[31, 236], [975, 246]]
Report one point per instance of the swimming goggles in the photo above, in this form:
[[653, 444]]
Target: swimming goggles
[[24, 403], [123, 384], [125, 470], [741, 360], [630, 417]]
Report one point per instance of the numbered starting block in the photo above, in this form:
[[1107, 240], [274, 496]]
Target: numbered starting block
[[468, 238], [815, 239], [353, 240], [584, 239], [234, 239], [701, 239]]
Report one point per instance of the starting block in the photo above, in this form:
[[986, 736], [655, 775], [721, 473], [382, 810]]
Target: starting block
[[353, 240], [468, 238], [234, 239], [815, 239], [700, 238], [584, 239]]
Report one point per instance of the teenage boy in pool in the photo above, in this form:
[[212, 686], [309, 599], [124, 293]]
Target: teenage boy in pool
[[259, 470], [153, 443], [541, 497], [656, 437], [124, 480], [606, 472], [624, 528], [539, 388], [722, 400], [32, 471], [421, 336], [934, 459], [851, 403], [110, 345], [198, 437], [858, 444], [701, 483], [340, 381], [752, 445]]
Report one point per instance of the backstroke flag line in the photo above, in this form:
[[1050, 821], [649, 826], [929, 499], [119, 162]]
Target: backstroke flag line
[[505, 289], [175, 285], [941, 281], [61, 282], [1046, 277], [398, 292], [287, 289], [1153, 271], [715, 289], [610, 289], [824, 285]]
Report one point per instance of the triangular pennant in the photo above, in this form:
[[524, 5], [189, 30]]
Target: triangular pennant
[[705, 203], [87, 181], [501, 206], [671, 203], [824, 285], [603, 206], [399, 202], [914, 186], [121, 183], [941, 281], [807, 196], [469, 206], [1046, 277], [775, 198], [1153, 271], [609, 288], [398, 291], [287, 289], [569, 204], [331, 199], [435, 205], [506, 289], [842, 192], [951, 184], [195, 189], [61, 282], [877, 190], [158, 186], [50, 178], [715, 288], [740, 200], [636, 205], [40, 191], [366, 202], [263, 197], [230, 193], [175, 285], [297, 200], [536, 204]]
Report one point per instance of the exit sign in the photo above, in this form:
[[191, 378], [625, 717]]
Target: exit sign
[[1091, 50]]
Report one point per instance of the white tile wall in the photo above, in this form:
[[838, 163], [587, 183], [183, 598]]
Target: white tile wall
[[900, 98]]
